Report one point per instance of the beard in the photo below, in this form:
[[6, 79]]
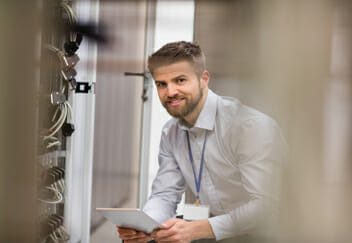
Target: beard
[[187, 108]]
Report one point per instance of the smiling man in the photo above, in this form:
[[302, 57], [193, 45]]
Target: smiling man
[[181, 91], [228, 154]]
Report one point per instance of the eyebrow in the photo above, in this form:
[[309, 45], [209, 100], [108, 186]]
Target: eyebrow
[[173, 79], [179, 76], [159, 81]]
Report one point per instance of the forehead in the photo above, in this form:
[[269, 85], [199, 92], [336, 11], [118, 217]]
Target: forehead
[[173, 70]]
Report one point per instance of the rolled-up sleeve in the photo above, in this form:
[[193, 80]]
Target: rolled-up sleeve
[[168, 185], [260, 158]]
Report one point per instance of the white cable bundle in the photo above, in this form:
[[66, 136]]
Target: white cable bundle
[[59, 235], [65, 113], [57, 194], [71, 16]]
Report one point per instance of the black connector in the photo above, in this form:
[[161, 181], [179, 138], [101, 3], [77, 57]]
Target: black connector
[[71, 47], [68, 129]]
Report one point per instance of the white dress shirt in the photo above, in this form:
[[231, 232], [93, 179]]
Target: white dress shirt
[[242, 163]]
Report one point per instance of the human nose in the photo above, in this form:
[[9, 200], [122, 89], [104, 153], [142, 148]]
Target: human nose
[[172, 90]]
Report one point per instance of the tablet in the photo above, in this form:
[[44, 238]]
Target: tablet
[[130, 218]]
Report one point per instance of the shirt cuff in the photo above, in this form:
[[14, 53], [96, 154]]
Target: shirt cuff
[[159, 210], [222, 226]]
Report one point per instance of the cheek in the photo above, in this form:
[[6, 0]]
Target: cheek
[[202, 84], [161, 94]]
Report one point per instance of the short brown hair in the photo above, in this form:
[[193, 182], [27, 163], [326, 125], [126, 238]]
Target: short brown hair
[[178, 51]]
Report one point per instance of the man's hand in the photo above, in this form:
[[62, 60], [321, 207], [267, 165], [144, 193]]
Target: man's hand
[[133, 236], [177, 230]]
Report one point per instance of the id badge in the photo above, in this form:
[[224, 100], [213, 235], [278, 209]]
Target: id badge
[[195, 212]]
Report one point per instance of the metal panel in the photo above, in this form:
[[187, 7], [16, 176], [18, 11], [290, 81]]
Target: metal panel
[[79, 159], [118, 106], [167, 14]]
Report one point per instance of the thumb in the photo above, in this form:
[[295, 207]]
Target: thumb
[[169, 223]]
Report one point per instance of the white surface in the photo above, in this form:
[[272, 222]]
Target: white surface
[[174, 22], [146, 110], [79, 161], [194, 212], [129, 218]]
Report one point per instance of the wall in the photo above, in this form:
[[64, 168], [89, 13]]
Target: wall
[[290, 59], [174, 21], [118, 106]]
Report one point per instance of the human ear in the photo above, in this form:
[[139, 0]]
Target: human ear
[[205, 77]]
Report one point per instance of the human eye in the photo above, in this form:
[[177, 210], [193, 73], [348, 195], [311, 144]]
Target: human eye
[[160, 85], [181, 80]]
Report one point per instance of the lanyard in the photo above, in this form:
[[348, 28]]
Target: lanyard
[[198, 179]]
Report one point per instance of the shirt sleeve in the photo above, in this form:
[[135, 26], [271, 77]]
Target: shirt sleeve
[[168, 185], [259, 155]]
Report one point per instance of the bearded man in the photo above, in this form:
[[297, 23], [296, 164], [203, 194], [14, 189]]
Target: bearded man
[[228, 154]]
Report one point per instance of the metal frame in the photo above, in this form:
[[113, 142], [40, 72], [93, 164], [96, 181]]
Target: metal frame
[[79, 161]]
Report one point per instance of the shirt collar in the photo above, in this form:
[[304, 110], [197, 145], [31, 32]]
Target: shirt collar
[[206, 118]]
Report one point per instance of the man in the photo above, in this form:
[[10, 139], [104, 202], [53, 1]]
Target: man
[[228, 154]]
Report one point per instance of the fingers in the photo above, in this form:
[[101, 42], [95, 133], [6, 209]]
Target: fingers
[[137, 235], [161, 235], [169, 223], [125, 231], [167, 230], [131, 234], [177, 231], [140, 240]]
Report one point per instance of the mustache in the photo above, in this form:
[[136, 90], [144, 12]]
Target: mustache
[[175, 97]]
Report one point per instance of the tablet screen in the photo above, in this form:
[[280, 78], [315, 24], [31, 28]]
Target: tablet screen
[[130, 218]]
